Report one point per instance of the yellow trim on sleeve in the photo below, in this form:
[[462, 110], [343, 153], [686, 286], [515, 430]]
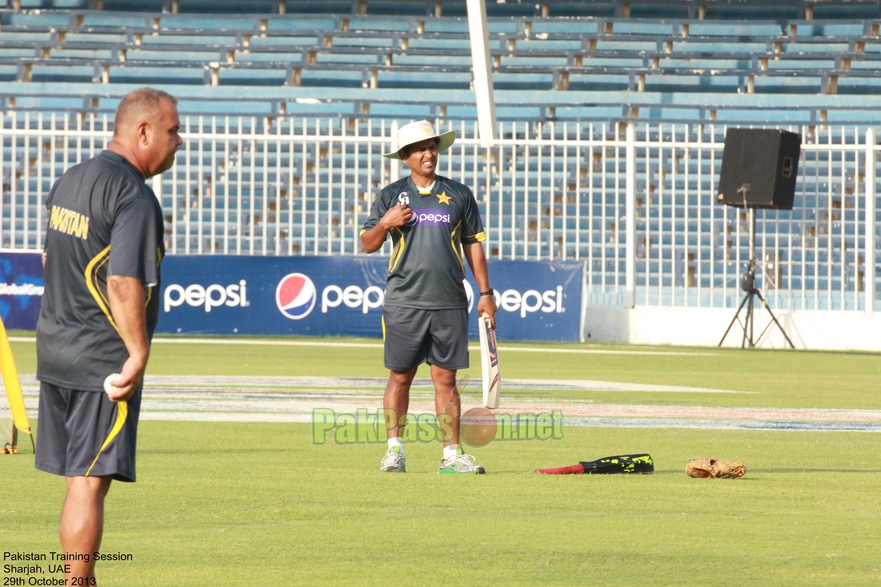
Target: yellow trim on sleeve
[[149, 292]]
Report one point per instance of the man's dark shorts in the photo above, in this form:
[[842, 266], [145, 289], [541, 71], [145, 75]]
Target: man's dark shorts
[[82, 433], [414, 336]]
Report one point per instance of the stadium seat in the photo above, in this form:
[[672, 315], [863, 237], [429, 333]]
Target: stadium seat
[[685, 68]]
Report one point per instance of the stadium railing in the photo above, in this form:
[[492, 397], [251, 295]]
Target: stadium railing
[[560, 199], [638, 206]]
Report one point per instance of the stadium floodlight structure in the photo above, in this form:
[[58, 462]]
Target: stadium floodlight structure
[[480, 59], [759, 169]]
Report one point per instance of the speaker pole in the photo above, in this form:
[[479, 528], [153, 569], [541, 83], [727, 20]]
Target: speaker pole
[[752, 237], [748, 285], [753, 262]]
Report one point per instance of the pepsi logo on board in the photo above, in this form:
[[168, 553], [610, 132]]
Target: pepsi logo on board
[[295, 296]]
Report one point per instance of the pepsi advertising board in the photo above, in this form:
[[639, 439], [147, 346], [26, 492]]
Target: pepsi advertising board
[[537, 300], [21, 288], [320, 296], [343, 296]]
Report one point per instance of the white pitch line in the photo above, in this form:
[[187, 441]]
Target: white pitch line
[[371, 345], [333, 384], [293, 399], [524, 349], [702, 424], [505, 349]]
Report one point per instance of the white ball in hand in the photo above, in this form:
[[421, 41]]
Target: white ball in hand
[[109, 386]]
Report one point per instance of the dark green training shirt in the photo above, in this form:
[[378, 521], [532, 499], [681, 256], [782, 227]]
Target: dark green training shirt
[[426, 268], [103, 220]]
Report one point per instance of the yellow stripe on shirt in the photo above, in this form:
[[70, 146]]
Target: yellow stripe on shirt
[[91, 274], [399, 250], [121, 415], [455, 244]]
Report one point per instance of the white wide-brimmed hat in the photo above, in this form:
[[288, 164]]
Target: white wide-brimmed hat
[[420, 131]]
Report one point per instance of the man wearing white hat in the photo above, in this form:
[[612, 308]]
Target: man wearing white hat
[[434, 222]]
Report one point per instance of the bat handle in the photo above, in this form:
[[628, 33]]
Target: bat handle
[[570, 470]]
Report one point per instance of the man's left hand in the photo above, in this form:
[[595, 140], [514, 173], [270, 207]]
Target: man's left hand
[[487, 305]]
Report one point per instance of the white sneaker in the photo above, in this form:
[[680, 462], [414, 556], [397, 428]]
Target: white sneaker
[[393, 461], [460, 464]]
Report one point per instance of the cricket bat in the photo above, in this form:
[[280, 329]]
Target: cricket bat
[[641, 463], [489, 363]]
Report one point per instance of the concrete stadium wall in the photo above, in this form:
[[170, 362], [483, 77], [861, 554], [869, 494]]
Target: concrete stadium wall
[[808, 329]]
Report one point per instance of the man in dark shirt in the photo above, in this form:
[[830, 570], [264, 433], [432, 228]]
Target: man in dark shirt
[[104, 243], [434, 222]]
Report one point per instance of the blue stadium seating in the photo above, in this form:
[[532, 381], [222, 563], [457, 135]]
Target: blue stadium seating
[[696, 50], [257, 65]]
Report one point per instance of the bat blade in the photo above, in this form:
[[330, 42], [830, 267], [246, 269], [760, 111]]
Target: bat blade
[[489, 362]]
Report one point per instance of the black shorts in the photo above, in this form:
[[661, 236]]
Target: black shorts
[[413, 336], [83, 433]]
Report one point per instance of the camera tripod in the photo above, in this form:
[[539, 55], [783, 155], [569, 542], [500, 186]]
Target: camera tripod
[[748, 284]]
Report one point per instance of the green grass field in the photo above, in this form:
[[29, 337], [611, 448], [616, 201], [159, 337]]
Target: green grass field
[[220, 503]]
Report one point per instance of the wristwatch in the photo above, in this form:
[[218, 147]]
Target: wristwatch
[[488, 292]]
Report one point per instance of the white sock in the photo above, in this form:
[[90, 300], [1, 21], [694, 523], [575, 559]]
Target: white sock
[[451, 451], [396, 441]]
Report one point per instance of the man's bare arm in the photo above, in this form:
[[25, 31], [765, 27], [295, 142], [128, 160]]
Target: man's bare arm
[[127, 305], [477, 261]]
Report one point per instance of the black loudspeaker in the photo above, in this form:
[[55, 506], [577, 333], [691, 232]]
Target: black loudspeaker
[[759, 167]]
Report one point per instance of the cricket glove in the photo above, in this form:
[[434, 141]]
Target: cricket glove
[[714, 468]]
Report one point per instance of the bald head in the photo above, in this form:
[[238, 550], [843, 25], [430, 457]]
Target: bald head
[[146, 130], [142, 105]]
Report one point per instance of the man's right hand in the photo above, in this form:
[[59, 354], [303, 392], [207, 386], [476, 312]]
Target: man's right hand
[[398, 215], [129, 379]]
